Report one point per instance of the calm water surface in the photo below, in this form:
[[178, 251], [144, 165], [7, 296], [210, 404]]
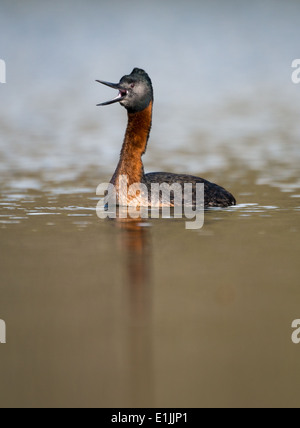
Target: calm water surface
[[146, 313]]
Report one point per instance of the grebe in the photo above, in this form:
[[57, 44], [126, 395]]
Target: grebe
[[136, 95]]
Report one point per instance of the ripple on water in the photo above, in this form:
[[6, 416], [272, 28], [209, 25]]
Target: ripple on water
[[41, 213], [80, 215], [71, 190], [250, 209]]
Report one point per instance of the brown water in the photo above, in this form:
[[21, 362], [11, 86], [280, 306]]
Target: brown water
[[112, 313]]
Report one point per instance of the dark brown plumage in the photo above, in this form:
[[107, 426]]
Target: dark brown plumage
[[136, 95]]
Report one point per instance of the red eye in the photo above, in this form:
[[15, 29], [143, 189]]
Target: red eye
[[132, 85]]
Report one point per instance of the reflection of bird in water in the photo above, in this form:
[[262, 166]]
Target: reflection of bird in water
[[136, 247], [136, 95]]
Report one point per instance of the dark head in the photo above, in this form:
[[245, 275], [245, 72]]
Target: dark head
[[135, 91]]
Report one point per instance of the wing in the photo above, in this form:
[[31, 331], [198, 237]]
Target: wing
[[214, 195]]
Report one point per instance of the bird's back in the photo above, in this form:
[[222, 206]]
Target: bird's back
[[214, 195]]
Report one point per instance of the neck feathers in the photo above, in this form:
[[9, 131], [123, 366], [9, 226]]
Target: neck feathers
[[135, 145]]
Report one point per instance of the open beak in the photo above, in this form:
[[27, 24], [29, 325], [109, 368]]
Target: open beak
[[122, 92]]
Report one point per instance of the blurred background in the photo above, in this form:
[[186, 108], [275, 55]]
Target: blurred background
[[145, 313], [221, 73]]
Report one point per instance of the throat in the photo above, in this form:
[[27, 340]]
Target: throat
[[135, 145]]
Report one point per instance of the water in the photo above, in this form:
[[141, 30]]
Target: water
[[146, 313]]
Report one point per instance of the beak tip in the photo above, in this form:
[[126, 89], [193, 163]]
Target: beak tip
[[117, 86]]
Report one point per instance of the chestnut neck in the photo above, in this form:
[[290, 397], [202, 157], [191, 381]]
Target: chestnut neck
[[134, 146]]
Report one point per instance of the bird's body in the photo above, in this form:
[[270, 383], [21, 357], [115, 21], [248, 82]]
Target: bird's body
[[136, 95], [214, 195]]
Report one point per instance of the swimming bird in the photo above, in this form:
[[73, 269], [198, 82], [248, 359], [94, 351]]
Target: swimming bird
[[136, 95]]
